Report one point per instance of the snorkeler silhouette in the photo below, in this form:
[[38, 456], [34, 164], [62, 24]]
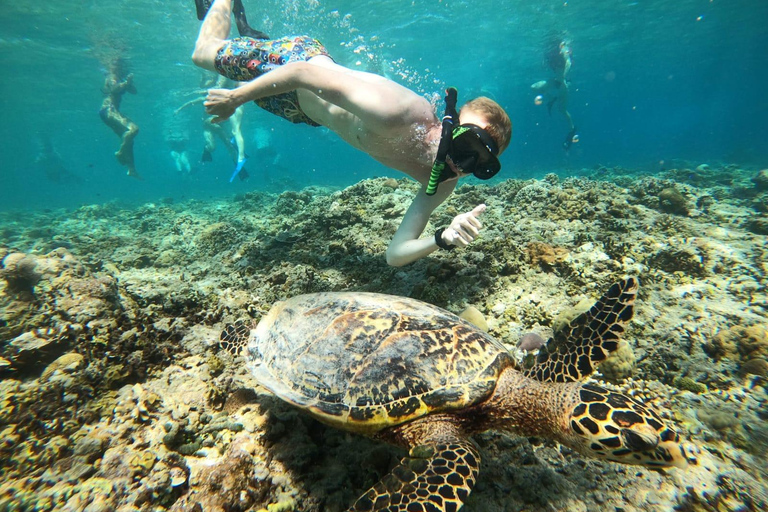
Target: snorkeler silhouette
[[555, 90], [117, 83], [233, 140], [51, 164]]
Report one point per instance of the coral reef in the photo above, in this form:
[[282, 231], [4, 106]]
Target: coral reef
[[672, 201], [619, 365], [18, 271], [114, 395]]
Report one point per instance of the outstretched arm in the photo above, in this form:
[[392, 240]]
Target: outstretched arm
[[189, 104], [406, 246], [379, 102]]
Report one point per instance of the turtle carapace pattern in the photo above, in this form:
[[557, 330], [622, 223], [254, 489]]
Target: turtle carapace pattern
[[412, 374]]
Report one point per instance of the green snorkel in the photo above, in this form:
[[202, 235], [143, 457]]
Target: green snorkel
[[450, 117]]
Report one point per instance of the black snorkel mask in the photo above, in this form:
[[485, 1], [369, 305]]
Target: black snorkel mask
[[470, 148]]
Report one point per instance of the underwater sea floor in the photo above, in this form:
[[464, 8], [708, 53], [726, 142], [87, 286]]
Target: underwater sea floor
[[116, 396]]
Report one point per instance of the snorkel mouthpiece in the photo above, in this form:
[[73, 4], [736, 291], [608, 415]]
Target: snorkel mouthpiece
[[449, 118]]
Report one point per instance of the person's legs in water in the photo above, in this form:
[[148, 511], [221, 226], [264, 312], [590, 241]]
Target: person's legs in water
[[211, 131], [127, 131], [125, 153], [243, 28], [237, 136], [208, 147], [202, 7], [210, 140], [213, 33]]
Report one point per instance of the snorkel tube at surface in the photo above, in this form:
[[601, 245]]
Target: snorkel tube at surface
[[450, 117]]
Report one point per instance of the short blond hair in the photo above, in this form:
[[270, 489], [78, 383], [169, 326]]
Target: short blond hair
[[499, 124]]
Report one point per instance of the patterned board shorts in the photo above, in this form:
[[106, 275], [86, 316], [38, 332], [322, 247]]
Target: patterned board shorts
[[244, 58]]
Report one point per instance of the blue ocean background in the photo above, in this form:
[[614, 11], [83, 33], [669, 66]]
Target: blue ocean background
[[652, 81]]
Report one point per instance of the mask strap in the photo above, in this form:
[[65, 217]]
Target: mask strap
[[450, 117]]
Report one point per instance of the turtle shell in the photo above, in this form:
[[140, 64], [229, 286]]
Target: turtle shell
[[365, 361]]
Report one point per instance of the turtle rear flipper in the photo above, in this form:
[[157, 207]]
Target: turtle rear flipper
[[589, 338], [438, 475]]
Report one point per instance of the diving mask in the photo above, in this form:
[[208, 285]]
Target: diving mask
[[470, 148], [474, 151]]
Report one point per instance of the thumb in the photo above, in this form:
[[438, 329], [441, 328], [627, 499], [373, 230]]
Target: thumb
[[478, 210]]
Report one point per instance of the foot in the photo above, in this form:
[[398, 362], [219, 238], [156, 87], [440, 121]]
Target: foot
[[125, 157], [570, 139]]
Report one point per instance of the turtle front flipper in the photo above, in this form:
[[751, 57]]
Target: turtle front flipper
[[234, 337], [437, 476], [575, 351]]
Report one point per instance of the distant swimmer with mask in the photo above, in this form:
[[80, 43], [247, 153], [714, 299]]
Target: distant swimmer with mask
[[554, 91]]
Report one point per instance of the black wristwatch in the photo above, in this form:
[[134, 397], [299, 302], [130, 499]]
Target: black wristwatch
[[440, 242]]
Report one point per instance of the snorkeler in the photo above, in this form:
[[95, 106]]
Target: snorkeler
[[554, 91], [115, 85], [177, 140], [295, 78], [234, 141], [50, 162]]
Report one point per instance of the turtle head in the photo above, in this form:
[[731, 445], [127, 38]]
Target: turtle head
[[615, 427]]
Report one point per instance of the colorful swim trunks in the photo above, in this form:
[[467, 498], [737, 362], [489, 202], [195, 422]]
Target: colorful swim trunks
[[244, 58]]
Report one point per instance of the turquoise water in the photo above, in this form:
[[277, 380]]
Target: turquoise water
[[652, 81]]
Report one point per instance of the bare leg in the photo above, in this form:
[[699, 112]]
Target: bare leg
[[237, 134], [125, 153], [127, 131], [210, 142], [210, 132], [213, 33]]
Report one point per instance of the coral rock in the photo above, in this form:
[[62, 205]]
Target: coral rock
[[545, 255], [472, 315], [761, 180], [739, 343], [67, 363], [19, 271], [672, 200], [619, 364], [755, 366]]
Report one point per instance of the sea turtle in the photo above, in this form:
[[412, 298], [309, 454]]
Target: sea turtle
[[415, 375]]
